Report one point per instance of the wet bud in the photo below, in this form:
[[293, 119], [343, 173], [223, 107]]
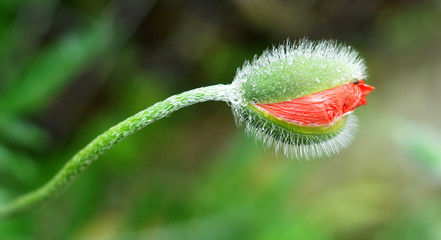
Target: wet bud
[[298, 97]]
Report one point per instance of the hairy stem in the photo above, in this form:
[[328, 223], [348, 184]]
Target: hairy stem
[[84, 158]]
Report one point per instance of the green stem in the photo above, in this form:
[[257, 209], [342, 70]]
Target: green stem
[[84, 158]]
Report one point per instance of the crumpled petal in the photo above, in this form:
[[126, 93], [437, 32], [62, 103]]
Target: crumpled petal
[[322, 108]]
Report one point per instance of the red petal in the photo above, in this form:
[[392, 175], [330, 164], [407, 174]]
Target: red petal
[[321, 108]]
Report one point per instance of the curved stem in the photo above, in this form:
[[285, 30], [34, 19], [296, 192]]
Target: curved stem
[[84, 158]]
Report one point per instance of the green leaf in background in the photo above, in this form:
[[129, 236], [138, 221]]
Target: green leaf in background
[[23, 134], [54, 67], [22, 37], [15, 166]]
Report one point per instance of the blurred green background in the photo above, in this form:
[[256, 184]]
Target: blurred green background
[[71, 69]]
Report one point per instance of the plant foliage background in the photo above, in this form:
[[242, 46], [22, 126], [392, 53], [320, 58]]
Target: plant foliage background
[[71, 69]]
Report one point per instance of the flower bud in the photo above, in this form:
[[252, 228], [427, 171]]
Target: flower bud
[[298, 97]]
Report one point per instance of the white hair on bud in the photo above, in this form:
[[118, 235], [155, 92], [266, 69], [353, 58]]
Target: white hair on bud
[[326, 49], [297, 69], [289, 143]]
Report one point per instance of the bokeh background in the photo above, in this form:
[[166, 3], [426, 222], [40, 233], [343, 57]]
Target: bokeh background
[[71, 69]]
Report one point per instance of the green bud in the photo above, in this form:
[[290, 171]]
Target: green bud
[[295, 70], [292, 71]]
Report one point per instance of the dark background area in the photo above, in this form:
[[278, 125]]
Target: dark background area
[[69, 70]]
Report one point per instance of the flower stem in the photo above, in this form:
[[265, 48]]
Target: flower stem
[[84, 158]]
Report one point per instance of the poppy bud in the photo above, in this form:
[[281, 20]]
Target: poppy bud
[[298, 97]]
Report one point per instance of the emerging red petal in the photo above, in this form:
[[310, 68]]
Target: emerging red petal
[[321, 108]]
